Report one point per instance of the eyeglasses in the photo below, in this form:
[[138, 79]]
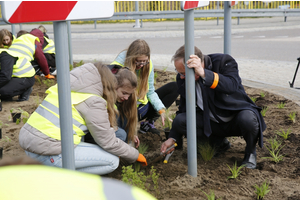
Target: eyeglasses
[[180, 73], [141, 62]]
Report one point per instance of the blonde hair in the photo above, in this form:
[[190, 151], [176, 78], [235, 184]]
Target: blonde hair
[[137, 49], [128, 109], [109, 83], [3, 33], [42, 28]]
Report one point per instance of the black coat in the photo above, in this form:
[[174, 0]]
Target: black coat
[[229, 95]]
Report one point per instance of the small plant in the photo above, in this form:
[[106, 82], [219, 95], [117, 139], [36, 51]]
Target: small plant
[[7, 139], [275, 144], [211, 195], [48, 82], [206, 151], [292, 117], [38, 79], [169, 119], [142, 149], [275, 155], [262, 190], [262, 94], [253, 99], [284, 134], [235, 171], [139, 179], [281, 105], [2, 124], [165, 69], [25, 116], [263, 111]]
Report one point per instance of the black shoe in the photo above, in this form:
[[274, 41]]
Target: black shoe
[[249, 160], [148, 127], [7, 99], [222, 148], [25, 96]]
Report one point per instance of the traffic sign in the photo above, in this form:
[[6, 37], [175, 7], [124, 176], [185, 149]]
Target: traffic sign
[[40, 11], [187, 5]]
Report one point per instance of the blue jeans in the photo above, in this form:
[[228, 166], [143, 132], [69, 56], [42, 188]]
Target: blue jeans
[[89, 158]]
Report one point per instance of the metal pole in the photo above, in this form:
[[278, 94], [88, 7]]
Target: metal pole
[[21, 27], [218, 9], [137, 21], [190, 94], [13, 30], [64, 94], [70, 43], [227, 27], [95, 24]]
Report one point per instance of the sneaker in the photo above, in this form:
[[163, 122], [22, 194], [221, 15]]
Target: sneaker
[[148, 127], [53, 73]]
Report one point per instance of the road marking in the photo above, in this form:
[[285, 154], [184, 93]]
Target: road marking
[[259, 36], [238, 36], [216, 37]]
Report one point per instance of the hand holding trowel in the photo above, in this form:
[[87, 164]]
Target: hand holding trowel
[[162, 154]]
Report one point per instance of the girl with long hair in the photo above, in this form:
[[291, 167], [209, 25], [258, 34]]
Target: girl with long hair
[[6, 38], [151, 103], [93, 95]]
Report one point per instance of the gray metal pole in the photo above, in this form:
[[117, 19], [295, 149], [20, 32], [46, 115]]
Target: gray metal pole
[[227, 27], [21, 27], [13, 30], [64, 94], [95, 24], [70, 43], [137, 21], [190, 94], [218, 6]]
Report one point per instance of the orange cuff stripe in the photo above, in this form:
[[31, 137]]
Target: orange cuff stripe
[[216, 81], [161, 111]]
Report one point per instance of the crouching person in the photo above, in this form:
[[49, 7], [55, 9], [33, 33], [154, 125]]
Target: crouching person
[[93, 96]]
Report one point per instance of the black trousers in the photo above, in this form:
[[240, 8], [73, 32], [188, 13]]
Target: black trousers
[[244, 124], [16, 86], [167, 94]]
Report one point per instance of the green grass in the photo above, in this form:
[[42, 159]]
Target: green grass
[[262, 190], [281, 105], [235, 171], [284, 134], [206, 151]]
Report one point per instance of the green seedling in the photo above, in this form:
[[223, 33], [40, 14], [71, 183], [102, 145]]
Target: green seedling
[[262, 94], [206, 151], [2, 124], [140, 180], [7, 139], [25, 116], [275, 155], [281, 105], [262, 190], [165, 69], [211, 195], [275, 144], [235, 171], [38, 79], [284, 134], [292, 117], [71, 67], [48, 82], [142, 149], [168, 119], [263, 111], [253, 99]]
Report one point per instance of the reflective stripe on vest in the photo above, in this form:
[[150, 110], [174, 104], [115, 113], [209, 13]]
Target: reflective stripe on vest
[[50, 48], [50, 183], [119, 61], [23, 67], [25, 45], [46, 116]]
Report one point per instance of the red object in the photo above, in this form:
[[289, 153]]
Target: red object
[[191, 4], [52, 160], [29, 10]]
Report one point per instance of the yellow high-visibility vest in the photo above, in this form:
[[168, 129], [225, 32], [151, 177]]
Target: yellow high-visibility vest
[[50, 47], [46, 117], [25, 45], [35, 182], [23, 67]]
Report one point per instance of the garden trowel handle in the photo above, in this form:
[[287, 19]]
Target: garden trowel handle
[[168, 149]]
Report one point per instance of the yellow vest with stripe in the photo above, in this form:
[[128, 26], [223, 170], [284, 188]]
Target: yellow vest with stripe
[[49, 48], [25, 45], [23, 67], [46, 117], [143, 101], [34, 182]]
